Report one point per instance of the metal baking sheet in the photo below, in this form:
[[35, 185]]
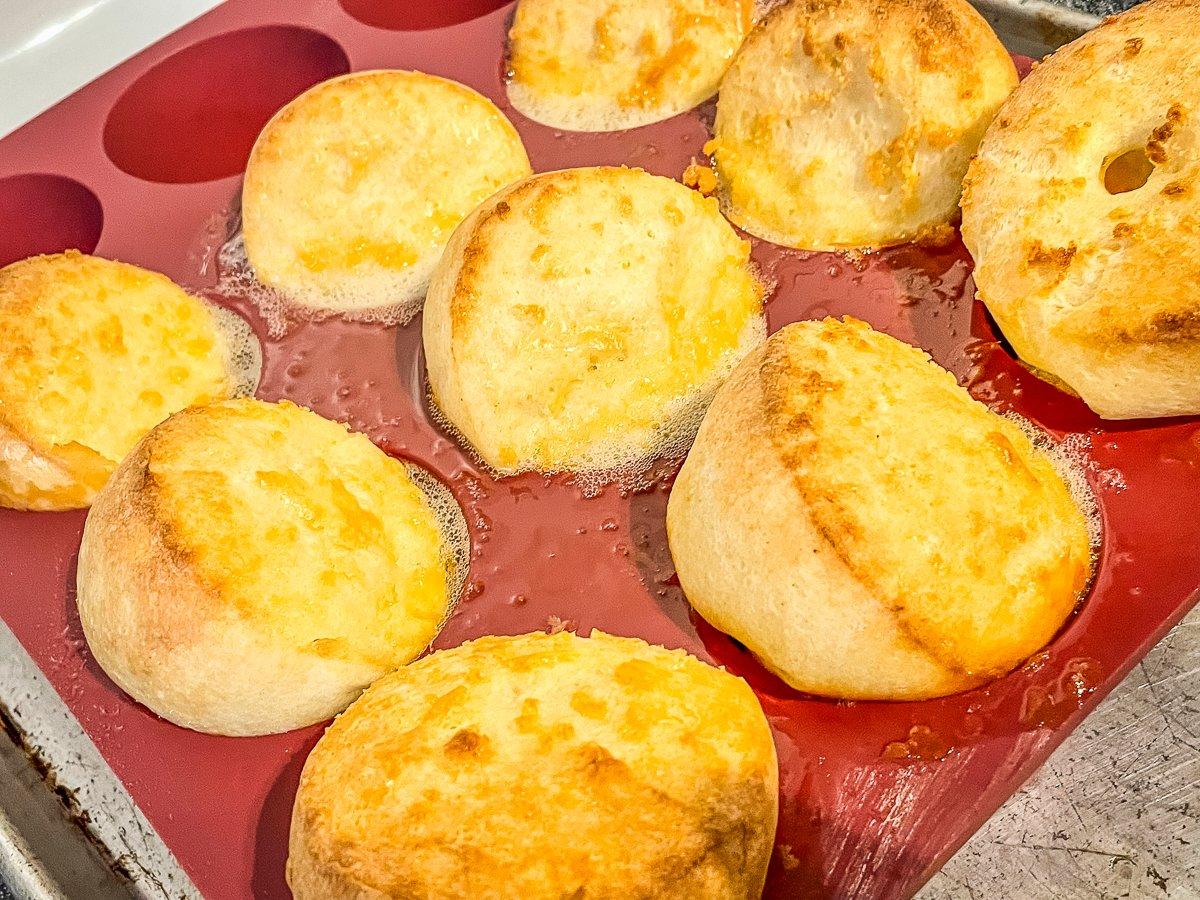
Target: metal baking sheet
[[1115, 812], [68, 827]]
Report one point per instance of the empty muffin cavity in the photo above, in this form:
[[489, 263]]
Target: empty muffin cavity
[[418, 16], [42, 213], [195, 116]]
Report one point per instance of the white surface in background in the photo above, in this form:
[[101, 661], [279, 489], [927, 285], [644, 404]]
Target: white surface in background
[[50, 48]]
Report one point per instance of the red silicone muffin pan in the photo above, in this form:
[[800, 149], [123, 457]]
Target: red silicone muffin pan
[[144, 165]]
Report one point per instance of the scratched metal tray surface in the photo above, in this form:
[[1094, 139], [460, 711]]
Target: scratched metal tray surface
[[69, 827]]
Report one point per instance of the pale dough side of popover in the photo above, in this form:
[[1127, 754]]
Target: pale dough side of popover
[[94, 354], [580, 320], [354, 187], [850, 123], [153, 627], [1099, 289], [624, 63], [541, 766], [866, 528], [239, 591], [755, 566]]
